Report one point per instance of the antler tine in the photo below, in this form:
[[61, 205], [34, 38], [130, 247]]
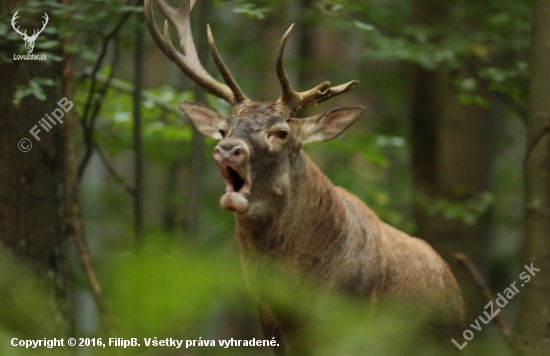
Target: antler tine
[[299, 100], [187, 61], [46, 18], [14, 23], [239, 95], [35, 33], [288, 94]]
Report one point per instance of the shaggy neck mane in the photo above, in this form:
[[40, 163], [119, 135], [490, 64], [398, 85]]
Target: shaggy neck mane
[[310, 208]]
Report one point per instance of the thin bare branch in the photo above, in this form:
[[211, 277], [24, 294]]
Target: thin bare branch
[[87, 122], [465, 262], [544, 130], [74, 219], [128, 88], [499, 95], [110, 169]]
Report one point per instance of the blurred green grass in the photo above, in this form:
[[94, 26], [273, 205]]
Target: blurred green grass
[[186, 292]]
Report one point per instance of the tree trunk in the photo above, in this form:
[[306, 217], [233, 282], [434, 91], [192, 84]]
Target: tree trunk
[[451, 159], [33, 183], [533, 328]]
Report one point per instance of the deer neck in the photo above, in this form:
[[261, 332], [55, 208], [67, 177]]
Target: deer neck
[[307, 205]]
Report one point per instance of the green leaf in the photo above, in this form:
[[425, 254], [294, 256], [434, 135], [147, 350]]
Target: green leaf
[[44, 81], [34, 87], [49, 44], [88, 55], [3, 29], [130, 8], [364, 26], [252, 11]]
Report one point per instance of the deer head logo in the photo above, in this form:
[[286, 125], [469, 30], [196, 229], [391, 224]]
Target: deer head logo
[[29, 40]]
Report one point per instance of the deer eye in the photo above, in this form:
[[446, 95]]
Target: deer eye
[[222, 132], [282, 134]]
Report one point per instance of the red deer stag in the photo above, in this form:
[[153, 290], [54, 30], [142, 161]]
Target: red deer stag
[[288, 214]]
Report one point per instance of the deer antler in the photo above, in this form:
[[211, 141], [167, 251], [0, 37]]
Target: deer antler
[[34, 33], [188, 61], [299, 100], [13, 23]]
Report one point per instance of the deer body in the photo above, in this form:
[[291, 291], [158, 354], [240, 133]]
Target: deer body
[[329, 233], [325, 232], [290, 219]]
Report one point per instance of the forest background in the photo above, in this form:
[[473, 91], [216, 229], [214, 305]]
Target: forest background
[[112, 222]]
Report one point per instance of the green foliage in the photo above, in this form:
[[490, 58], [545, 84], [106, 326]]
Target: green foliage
[[508, 80], [25, 307], [468, 210], [468, 92], [252, 11], [175, 287], [369, 145], [33, 88], [170, 290], [489, 39], [167, 291], [65, 20], [162, 129]]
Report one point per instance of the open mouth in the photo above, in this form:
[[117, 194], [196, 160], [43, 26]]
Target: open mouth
[[235, 180], [237, 189]]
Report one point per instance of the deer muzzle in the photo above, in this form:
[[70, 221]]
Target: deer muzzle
[[232, 156]]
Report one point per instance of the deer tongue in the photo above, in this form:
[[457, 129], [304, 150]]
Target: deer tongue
[[237, 188], [234, 201]]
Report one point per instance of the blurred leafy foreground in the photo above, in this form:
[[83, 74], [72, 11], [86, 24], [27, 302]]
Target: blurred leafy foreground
[[168, 290]]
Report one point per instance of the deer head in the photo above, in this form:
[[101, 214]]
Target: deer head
[[29, 40], [260, 139]]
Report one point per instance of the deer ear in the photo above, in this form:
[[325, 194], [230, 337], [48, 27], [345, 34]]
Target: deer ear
[[330, 124], [208, 121]]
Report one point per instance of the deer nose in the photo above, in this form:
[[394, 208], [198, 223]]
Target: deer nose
[[230, 152]]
